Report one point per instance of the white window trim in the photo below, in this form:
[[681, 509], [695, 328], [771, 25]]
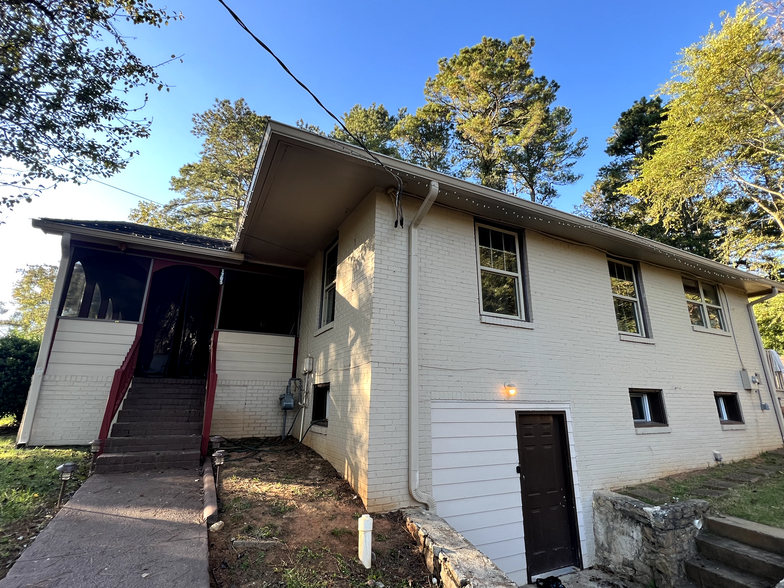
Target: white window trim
[[723, 414], [520, 316], [636, 300], [648, 420], [646, 408], [326, 287], [704, 307]]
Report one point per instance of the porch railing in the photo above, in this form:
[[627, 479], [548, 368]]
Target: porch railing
[[120, 383], [209, 400]]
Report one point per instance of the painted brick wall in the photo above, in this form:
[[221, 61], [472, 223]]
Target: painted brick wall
[[342, 352], [70, 410], [570, 353]]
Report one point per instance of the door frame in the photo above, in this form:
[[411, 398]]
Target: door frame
[[570, 464]]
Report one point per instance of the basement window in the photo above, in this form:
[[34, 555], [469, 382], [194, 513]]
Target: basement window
[[729, 408], [647, 408], [320, 412]]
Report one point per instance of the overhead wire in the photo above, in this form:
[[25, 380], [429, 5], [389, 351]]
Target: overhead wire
[[398, 180]]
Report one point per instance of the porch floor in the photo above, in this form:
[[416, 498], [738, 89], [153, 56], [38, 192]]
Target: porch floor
[[132, 529]]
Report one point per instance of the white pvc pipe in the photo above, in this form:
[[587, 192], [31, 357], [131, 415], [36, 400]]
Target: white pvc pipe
[[365, 526], [413, 350]]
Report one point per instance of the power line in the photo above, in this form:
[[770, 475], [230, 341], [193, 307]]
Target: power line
[[398, 207], [126, 191]]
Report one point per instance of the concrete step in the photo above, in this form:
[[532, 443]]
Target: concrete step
[[140, 382], [707, 573], [152, 443], [146, 460], [164, 402], [145, 428], [172, 415], [754, 534], [743, 557]]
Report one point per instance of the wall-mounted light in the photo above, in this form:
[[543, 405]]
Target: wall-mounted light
[[510, 388]]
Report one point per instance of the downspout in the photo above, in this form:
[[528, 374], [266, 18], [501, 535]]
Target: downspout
[[26, 426], [765, 366], [413, 349]]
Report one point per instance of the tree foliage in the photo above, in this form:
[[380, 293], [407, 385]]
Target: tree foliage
[[213, 189], [32, 295], [722, 147], [770, 319], [372, 125], [64, 70], [426, 137], [17, 364]]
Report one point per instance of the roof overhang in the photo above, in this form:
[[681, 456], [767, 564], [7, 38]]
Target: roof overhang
[[306, 185], [103, 237]]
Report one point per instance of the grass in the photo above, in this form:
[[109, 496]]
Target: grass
[[29, 486], [761, 502]]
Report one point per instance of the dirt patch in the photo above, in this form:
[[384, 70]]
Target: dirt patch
[[291, 520]]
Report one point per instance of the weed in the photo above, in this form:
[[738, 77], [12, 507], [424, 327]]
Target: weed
[[306, 552], [237, 504], [266, 532], [339, 532], [281, 507], [381, 537], [302, 578]]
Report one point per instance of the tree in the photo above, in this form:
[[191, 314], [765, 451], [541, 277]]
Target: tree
[[426, 137], [547, 160], [770, 318], [214, 188], [17, 364], [32, 295], [498, 107], [723, 141], [64, 68], [372, 125]]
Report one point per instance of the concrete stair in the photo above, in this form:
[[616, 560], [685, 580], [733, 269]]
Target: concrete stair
[[734, 553], [158, 427]]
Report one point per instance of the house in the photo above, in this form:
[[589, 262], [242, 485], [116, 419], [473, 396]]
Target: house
[[492, 358]]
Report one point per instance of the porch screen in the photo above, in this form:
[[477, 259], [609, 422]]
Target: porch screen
[[105, 285], [260, 303]]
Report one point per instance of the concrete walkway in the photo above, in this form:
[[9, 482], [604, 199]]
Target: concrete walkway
[[140, 529]]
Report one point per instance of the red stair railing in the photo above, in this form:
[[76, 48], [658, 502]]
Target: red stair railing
[[120, 383], [209, 401]]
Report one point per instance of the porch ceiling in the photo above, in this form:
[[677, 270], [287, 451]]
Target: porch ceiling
[[306, 185]]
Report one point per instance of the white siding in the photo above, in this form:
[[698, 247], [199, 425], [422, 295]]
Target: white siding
[[475, 482], [72, 401], [253, 371], [89, 348]]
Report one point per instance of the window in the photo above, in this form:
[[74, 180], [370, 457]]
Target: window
[[647, 408], [500, 278], [330, 280], [728, 406], [626, 297], [320, 396], [704, 304], [260, 303], [106, 286]]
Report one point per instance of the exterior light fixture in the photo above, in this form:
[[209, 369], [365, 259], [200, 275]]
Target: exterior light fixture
[[215, 440], [66, 471], [219, 457], [95, 449], [510, 388]]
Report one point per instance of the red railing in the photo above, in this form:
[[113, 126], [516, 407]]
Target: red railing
[[122, 380], [209, 401]]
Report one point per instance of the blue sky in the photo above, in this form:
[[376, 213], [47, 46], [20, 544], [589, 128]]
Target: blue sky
[[605, 55]]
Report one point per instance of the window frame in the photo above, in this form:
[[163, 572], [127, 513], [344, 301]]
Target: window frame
[[703, 305], [649, 396], [644, 331], [523, 312], [327, 287], [320, 389], [721, 407]]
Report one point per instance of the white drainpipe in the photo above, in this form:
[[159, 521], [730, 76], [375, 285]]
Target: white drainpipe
[[26, 426], [413, 350], [765, 367]]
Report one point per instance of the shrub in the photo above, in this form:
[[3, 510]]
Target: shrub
[[17, 363]]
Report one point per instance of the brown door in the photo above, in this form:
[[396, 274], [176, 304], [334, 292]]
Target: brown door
[[549, 519]]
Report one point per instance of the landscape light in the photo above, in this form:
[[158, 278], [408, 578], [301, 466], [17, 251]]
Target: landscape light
[[65, 471]]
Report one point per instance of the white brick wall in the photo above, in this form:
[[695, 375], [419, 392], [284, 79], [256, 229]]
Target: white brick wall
[[70, 410], [342, 353], [573, 354]]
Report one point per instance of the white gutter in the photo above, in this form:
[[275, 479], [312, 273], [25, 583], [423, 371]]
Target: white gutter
[[413, 349], [26, 426], [765, 365]]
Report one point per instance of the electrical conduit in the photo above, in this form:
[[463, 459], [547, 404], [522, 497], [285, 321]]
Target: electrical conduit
[[413, 350]]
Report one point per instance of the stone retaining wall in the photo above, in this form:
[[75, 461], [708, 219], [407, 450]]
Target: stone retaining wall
[[646, 543], [450, 557]]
